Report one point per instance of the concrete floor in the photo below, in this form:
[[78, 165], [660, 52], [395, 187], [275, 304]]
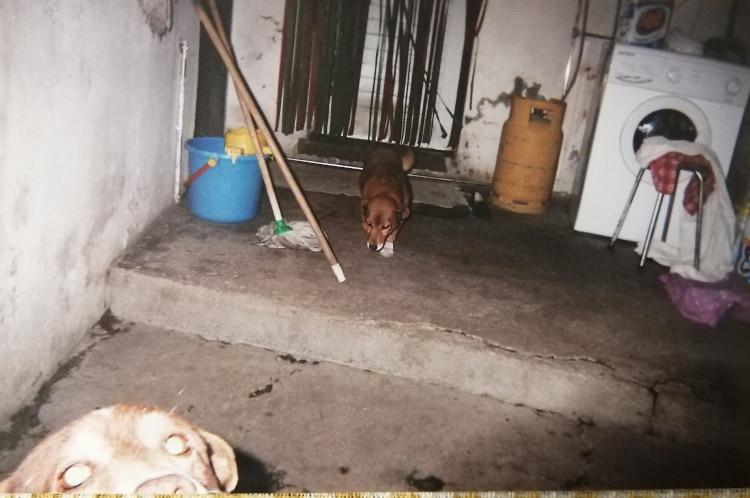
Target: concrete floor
[[490, 353]]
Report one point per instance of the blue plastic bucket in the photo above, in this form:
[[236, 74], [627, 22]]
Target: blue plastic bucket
[[227, 192]]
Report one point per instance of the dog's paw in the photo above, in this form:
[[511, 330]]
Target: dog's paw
[[387, 250]]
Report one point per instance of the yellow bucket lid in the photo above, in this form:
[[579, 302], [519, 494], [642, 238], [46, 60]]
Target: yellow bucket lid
[[238, 141]]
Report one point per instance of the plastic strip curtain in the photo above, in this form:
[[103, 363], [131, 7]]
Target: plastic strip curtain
[[322, 47], [475, 10], [406, 76]]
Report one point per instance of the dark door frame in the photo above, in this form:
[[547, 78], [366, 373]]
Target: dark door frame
[[211, 98]]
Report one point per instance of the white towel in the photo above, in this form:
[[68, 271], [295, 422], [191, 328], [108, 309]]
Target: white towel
[[717, 234]]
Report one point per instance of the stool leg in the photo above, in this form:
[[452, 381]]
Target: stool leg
[[698, 223], [627, 208], [651, 227], [668, 215]]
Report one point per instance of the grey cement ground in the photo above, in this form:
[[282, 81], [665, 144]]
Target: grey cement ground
[[301, 425], [491, 352]]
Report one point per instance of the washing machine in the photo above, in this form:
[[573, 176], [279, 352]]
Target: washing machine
[[651, 92]]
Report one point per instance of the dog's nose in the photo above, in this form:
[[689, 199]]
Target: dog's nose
[[373, 247], [169, 484]]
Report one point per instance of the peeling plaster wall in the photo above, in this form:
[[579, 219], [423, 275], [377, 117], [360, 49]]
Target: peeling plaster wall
[[580, 117], [529, 39], [89, 149], [257, 27]]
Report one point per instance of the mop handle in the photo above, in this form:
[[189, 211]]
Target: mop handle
[[273, 143], [249, 123]]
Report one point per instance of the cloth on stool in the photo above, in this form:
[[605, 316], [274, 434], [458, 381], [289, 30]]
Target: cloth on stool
[[665, 171], [717, 234]]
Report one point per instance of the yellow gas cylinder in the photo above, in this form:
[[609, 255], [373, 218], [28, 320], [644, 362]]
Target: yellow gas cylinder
[[527, 157]]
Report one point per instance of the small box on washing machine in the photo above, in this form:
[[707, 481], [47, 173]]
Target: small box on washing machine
[[644, 22]]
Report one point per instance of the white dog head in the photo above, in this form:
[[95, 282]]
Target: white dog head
[[128, 449]]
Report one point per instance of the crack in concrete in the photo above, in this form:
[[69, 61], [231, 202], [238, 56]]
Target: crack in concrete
[[263, 390], [291, 359], [582, 424], [651, 431], [584, 359], [587, 453], [653, 389], [674, 381], [507, 349], [537, 411]]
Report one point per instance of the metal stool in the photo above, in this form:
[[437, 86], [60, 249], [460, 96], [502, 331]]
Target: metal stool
[[697, 169]]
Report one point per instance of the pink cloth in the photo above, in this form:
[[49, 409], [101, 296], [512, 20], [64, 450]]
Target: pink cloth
[[707, 302]]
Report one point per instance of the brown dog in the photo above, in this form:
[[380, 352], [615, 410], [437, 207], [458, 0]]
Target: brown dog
[[127, 449], [386, 197]]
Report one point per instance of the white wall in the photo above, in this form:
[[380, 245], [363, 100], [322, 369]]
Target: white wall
[[257, 27], [526, 38], [530, 39], [87, 158]]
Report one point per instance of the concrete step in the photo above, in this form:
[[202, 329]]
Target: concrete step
[[306, 426], [514, 307]]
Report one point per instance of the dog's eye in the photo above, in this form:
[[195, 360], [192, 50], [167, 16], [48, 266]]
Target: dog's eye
[[75, 475], [177, 444]]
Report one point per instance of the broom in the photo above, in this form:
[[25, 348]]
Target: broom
[[279, 233], [283, 235]]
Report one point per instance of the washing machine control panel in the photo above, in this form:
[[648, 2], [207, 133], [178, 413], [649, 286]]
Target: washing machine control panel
[[680, 74]]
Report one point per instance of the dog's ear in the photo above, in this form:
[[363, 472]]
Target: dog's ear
[[402, 211], [7, 486], [365, 208], [405, 213], [222, 460]]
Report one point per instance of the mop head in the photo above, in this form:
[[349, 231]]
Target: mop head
[[291, 235]]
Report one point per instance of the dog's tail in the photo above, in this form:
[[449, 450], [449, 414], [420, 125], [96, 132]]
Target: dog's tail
[[407, 159]]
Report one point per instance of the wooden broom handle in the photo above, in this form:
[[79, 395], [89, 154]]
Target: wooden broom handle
[[249, 122], [259, 119]]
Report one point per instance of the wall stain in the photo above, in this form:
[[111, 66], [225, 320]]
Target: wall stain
[[520, 87], [109, 323], [26, 420]]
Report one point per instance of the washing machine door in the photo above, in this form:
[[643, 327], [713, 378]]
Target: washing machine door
[[667, 123], [668, 116]]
